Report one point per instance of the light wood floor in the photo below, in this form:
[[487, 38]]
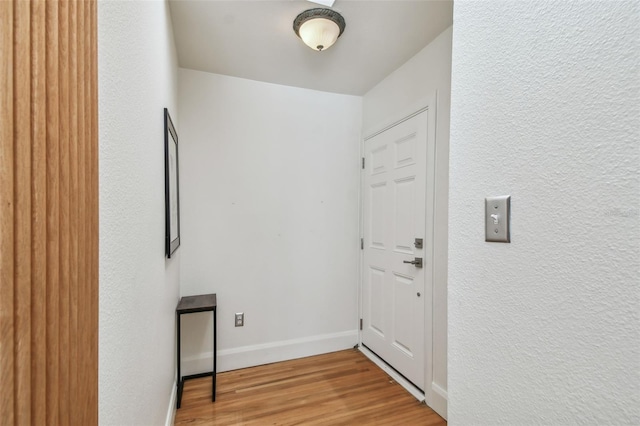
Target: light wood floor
[[341, 388]]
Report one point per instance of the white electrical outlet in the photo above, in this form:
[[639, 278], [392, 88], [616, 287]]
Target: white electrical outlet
[[239, 319]]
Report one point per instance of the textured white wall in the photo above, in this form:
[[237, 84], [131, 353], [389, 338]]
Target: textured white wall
[[545, 107], [269, 179], [139, 289], [398, 95]]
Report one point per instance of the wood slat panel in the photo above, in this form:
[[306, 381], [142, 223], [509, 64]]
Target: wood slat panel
[[74, 409], [91, 222], [49, 213], [53, 216], [38, 214], [94, 294], [64, 332], [81, 280], [339, 388], [7, 320], [22, 212]]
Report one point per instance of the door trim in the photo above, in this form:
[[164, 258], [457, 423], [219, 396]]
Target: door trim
[[394, 124], [428, 104]]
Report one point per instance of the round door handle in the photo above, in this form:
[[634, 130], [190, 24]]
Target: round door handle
[[418, 294]]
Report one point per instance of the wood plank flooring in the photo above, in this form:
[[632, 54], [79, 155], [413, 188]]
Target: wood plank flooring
[[333, 389]]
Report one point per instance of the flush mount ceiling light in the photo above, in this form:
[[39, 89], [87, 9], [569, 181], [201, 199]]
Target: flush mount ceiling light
[[319, 28]]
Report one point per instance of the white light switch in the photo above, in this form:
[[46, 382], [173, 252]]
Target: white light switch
[[496, 219]]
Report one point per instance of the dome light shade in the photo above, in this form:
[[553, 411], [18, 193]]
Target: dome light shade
[[319, 33], [319, 28]]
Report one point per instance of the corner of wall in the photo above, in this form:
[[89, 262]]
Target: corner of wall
[[425, 76], [139, 288]]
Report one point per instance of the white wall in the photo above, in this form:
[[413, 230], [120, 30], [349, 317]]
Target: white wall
[[545, 107], [426, 72], [269, 181], [398, 95], [139, 288]]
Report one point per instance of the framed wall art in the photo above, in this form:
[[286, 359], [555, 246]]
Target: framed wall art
[[171, 176]]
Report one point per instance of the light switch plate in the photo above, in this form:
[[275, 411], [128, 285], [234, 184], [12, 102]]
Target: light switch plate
[[497, 212]]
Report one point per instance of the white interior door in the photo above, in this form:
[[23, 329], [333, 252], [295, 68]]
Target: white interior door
[[394, 215]]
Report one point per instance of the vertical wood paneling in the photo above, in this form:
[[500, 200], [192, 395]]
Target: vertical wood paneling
[[94, 293], [91, 191], [7, 320], [53, 217], [22, 212], [38, 214], [73, 208], [65, 189], [81, 211], [48, 213]]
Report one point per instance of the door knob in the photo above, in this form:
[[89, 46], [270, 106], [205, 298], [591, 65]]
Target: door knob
[[417, 262]]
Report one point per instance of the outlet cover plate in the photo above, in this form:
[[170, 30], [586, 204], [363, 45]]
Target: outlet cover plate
[[240, 319], [497, 217]]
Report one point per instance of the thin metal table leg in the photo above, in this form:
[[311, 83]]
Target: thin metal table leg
[[215, 352], [179, 379]]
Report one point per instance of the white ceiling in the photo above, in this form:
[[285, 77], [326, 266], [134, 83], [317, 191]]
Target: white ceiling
[[255, 40]]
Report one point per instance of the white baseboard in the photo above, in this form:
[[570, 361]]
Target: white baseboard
[[417, 393], [171, 412], [438, 401], [267, 353]]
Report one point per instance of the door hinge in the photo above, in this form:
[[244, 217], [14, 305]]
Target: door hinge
[[363, 162], [360, 323], [361, 243]]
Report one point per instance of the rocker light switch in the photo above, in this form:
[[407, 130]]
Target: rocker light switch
[[496, 219]]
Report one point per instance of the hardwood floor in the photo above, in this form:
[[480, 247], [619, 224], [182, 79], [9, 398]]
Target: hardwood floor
[[334, 389]]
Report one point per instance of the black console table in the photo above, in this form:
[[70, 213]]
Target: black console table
[[189, 305]]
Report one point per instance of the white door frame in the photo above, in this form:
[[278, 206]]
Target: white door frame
[[428, 104]]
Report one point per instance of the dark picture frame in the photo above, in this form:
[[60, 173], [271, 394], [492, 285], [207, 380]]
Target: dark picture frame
[[171, 186]]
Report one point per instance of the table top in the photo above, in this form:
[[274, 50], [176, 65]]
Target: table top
[[199, 303]]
